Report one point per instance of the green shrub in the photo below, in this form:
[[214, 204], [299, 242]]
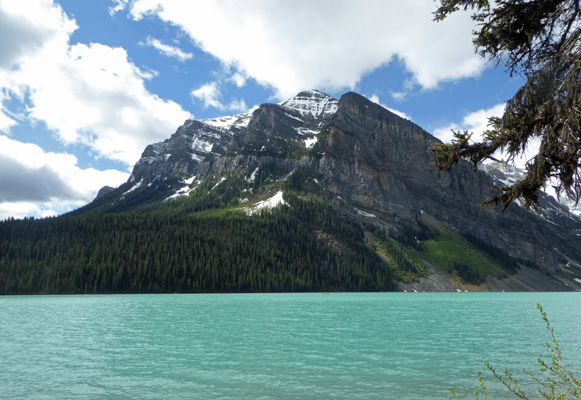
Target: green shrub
[[556, 382]]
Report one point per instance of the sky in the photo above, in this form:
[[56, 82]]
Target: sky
[[85, 86]]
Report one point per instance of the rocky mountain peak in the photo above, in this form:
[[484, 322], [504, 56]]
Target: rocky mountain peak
[[105, 190], [312, 102]]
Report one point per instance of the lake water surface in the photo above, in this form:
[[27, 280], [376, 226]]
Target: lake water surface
[[275, 346]]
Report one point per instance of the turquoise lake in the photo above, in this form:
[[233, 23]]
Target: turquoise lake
[[276, 346]]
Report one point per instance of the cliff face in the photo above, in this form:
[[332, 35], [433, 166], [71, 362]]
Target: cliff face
[[367, 162], [379, 163]]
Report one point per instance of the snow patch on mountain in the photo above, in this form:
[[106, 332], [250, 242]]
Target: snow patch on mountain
[[219, 182], [274, 201], [309, 143], [306, 131], [187, 189], [363, 213], [197, 158], [184, 191], [226, 123], [133, 188], [201, 145], [252, 176], [191, 180]]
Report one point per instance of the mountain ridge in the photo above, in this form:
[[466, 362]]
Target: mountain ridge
[[313, 156]]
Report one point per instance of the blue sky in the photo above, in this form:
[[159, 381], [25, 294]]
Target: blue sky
[[86, 85]]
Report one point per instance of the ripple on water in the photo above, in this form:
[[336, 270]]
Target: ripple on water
[[350, 346]]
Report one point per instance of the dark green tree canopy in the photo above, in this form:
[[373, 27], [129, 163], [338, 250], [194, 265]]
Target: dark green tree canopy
[[541, 41]]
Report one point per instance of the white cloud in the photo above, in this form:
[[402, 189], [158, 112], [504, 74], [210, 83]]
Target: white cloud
[[94, 95], [26, 27], [38, 183], [408, 87], [91, 94], [210, 96], [167, 50], [398, 96], [238, 79], [118, 6], [237, 105], [327, 44], [19, 210], [375, 99], [5, 122]]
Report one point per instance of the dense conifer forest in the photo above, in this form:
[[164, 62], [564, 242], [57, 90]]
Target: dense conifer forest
[[194, 245], [175, 251]]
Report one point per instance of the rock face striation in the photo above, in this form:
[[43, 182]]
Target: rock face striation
[[369, 163]]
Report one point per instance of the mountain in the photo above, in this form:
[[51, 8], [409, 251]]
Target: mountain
[[355, 178]]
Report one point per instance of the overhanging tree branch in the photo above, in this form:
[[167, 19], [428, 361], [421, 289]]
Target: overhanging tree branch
[[541, 41]]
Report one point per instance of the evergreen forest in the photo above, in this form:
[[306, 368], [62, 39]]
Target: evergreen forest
[[169, 250]]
